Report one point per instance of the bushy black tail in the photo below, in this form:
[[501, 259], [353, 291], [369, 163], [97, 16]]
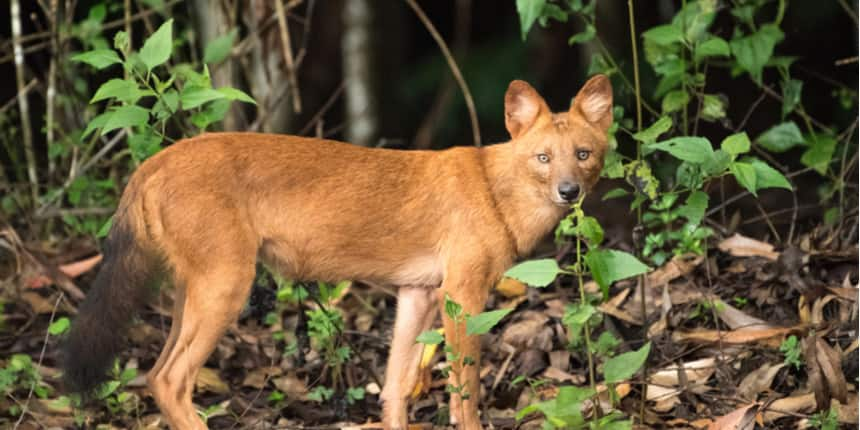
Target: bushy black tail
[[97, 333]]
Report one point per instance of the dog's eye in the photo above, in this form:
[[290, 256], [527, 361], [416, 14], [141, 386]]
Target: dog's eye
[[582, 155], [543, 158]]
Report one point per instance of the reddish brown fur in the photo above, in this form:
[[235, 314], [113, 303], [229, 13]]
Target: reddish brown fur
[[324, 210]]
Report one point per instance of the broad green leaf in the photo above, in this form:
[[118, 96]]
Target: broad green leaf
[[211, 113], [106, 389], [452, 308], [430, 337], [608, 266], [753, 52], [745, 175], [529, 11], [781, 137], [664, 34], [717, 163], [819, 153], [736, 144], [120, 89], [192, 97], [768, 177], [157, 47], [695, 18], [105, 228], [614, 193], [234, 94], [587, 35], [537, 273], [650, 134], [484, 321], [713, 108], [59, 326], [590, 230], [696, 150], [143, 145], [675, 101], [125, 116], [623, 366], [694, 208], [99, 58], [96, 123], [791, 90], [713, 47], [218, 49]]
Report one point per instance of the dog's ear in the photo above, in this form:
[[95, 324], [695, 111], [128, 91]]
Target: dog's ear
[[523, 107], [594, 102]]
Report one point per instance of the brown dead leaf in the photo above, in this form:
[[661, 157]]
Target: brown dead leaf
[[847, 293], [678, 266], [209, 379], [742, 246], [758, 380], [664, 385], [530, 331], [740, 419], [847, 412], [257, 378], [511, 288], [291, 385], [769, 336], [802, 403], [737, 319], [824, 366], [38, 304]]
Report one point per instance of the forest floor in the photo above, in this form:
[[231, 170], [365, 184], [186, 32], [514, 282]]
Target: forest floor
[[751, 332]]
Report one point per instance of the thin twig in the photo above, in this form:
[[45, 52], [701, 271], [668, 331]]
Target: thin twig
[[288, 57], [322, 111], [14, 100], [849, 11], [52, 83], [455, 70], [41, 354], [23, 104]]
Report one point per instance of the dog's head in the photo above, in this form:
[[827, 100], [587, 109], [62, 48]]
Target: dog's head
[[561, 153]]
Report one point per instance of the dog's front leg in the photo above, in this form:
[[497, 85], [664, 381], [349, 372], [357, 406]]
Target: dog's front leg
[[469, 289], [416, 311]]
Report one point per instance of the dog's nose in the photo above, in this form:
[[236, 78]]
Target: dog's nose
[[568, 191]]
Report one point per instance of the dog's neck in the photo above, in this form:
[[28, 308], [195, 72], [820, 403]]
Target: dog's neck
[[528, 215]]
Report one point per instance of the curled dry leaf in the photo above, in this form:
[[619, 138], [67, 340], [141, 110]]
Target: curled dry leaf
[[824, 367], [803, 403], [737, 319], [664, 385], [530, 331], [742, 246], [740, 419], [208, 379], [771, 336], [758, 380]]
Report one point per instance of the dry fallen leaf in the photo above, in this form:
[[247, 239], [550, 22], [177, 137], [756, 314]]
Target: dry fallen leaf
[[740, 419], [737, 319], [771, 336], [802, 403], [208, 379], [758, 380], [530, 331], [742, 246], [511, 288], [824, 367]]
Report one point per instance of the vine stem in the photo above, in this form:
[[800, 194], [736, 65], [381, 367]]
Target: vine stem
[[642, 278], [587, 325]]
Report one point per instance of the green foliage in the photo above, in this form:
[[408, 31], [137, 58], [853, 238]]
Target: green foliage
[[430, 337], [484, 321], [537, 273], [624, 366], [825, 420], [608, 266], [791, 350]]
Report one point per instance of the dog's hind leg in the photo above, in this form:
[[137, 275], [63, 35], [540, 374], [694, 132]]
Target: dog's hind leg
[[416, 311]]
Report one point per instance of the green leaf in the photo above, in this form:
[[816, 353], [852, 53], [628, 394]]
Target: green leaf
[[623, 366], [484, 321], [529, 11], [664, 34], [694, 208], [105, 228], [587, 35], [120, 89], [753, 52], [781, 137], [157, 47], [713, 47], [430, 337], [820, 153], [193, 96], [713, 108], [59, 326], [791, 90], [614, 193], [768, 177], [590, 230], [695, 150], [96, 123], [675, 101], [650, 134], [98, 58], [143, 145], [452, 308], [745, 175], [218, 49], [608, 266], [234, 94], [125, 116], [738, 143], [537, 273]]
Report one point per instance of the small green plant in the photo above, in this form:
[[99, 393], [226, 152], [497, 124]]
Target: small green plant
[[790, 349], [321, 394], [825, 420], [19, 375]]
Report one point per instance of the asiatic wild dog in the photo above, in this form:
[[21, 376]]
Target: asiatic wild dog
[[428, 222]]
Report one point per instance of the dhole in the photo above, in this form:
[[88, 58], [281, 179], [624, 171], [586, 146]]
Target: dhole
[[428, 222]]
